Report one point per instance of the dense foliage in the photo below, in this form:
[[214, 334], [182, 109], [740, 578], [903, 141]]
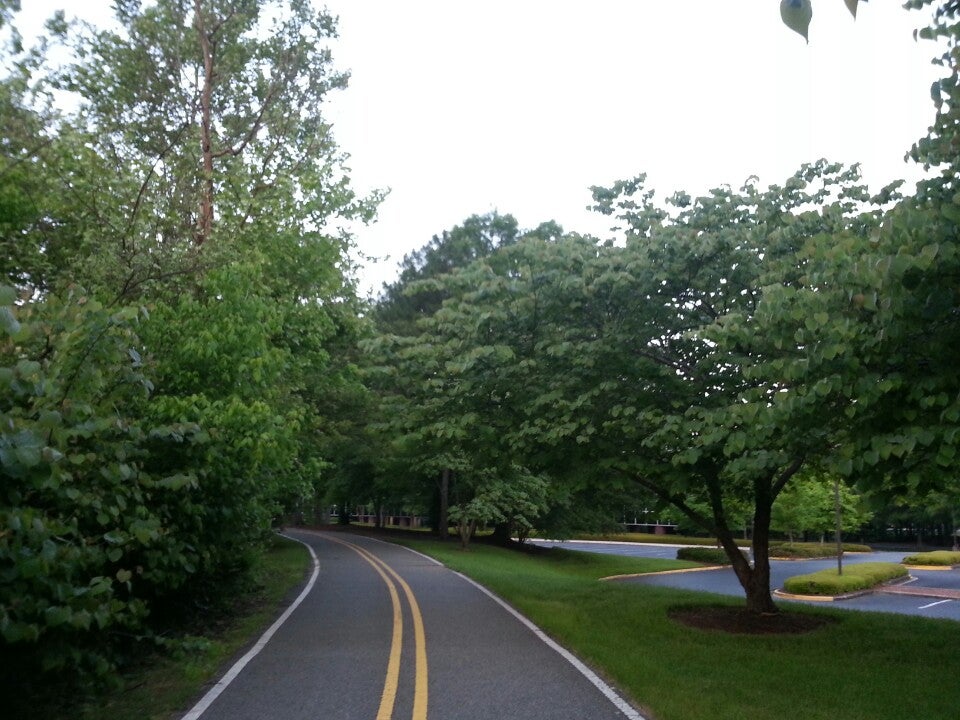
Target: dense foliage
[[717, 356], [178, 318]]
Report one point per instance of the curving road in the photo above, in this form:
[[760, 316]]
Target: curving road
[[384, 632]]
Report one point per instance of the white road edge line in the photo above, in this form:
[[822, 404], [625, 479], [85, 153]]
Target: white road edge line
[[608, 692], [213, 693], [939, 602], [611, 694]]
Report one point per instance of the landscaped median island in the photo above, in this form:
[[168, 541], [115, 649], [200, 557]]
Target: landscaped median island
[[805, 551], [937, 558], [862, 576], [712, 555]]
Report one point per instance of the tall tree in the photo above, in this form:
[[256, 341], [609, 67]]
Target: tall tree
[[206, 121], [405, 301], [640, 359]]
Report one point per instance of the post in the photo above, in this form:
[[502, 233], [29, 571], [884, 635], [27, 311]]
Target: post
[[836, 508]]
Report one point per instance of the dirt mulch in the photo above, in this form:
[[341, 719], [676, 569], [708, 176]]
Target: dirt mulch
[[738, 621]]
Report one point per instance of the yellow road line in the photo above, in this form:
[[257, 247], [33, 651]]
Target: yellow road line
[[392, 681], [420, 640], [420, 695]]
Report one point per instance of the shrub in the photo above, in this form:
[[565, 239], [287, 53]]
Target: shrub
[[861, 576], [813, 550], [937, 557], [712, 555]]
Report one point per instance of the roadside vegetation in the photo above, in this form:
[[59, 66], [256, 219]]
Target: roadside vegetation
[[185, 360], [813, 550], [711, 555], [164, 683], [676, 672], [861, 576]]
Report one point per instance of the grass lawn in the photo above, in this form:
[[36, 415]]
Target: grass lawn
[[863, 666], [167, 685]]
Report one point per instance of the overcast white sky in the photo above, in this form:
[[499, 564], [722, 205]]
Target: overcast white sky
[[466, 106]]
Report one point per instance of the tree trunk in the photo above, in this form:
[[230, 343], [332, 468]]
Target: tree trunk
[[466, 529], [755, 580], [443, 521], [838, 518], [205, 221]]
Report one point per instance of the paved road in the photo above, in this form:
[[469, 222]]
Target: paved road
[[724, 582], [387, 633]]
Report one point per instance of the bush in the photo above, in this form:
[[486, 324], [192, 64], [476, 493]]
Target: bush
[[813, 550], [712, 555], [861, 576], [937, 557]]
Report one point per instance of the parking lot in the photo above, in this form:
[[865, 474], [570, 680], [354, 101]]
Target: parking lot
[[929, 590]]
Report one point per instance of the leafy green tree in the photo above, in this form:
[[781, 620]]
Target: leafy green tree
[[408, 299], [197, 193], [638, 364], [807, 505], [428, 431], [86, 543]]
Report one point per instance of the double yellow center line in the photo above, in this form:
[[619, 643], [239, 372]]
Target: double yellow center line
[[392, 681]]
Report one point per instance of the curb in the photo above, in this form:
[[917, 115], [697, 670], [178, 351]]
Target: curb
[[932, 568], [664, 572]]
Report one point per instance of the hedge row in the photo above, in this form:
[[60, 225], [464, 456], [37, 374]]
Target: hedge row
[[711, 555], [861, 576], [123, 510], [937, 557], [813, 550]]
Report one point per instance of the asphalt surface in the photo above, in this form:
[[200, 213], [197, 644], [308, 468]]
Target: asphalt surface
[[723, 581], [331, 658]]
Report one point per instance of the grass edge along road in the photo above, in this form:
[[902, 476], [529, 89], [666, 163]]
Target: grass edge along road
[[166, 686], [863, 666]]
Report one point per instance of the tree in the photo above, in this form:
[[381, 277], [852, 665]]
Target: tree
[[426, 427], [204, 119], [202, 372], [408, 299], [807, 505], [638, 364]]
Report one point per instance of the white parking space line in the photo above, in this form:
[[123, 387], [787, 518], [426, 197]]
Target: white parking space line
[[930, 605]]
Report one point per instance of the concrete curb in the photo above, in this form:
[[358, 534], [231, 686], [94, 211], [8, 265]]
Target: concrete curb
[[932, 568], [664, 572]]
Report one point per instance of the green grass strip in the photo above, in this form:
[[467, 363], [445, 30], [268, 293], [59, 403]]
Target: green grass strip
[[865, 666]]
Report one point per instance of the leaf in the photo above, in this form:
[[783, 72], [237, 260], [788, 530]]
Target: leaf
[[57, 615], [124, 575], [796, 15], [8, 322]]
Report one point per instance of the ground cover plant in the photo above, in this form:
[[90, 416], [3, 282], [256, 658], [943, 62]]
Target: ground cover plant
[[862, 576], [623, 629], [936, 557]]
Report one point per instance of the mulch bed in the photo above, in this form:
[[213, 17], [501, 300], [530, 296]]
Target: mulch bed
[[738, 621]]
